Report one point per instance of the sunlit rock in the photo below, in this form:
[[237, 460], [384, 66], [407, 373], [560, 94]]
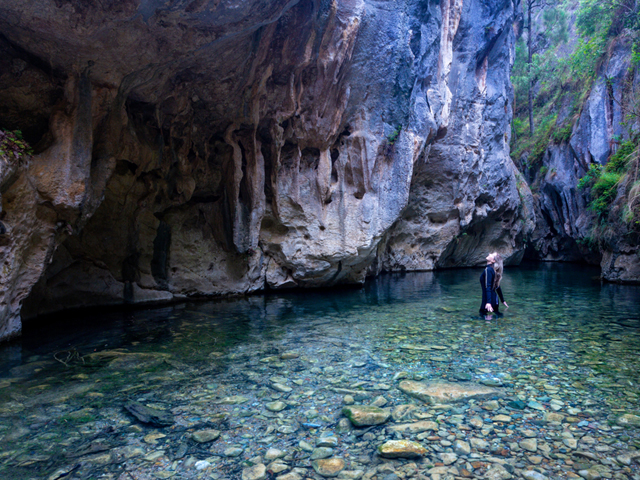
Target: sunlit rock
[[402, 449], [256, 472], [444, 392], [530, 445], [328, 467], [276, 406], [497, 472]]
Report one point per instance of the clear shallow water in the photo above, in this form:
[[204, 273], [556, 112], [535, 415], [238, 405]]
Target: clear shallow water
[[567, 345]]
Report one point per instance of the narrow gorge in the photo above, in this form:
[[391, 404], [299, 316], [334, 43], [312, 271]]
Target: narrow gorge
[[242, 239], [208, 148]]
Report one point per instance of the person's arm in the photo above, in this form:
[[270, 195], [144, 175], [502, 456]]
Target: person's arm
[[499, 291], [487, 287]]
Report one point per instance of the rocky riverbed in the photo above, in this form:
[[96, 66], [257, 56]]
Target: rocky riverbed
[[350, 388]]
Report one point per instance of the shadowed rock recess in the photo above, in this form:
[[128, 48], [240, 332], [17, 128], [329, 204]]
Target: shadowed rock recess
[[201, 148]]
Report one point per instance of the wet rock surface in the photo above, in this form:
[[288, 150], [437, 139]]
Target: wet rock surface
[[567, 407], [149, 415], [445, 392]]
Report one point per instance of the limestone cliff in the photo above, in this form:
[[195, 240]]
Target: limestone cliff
[[212, 147], [566, 228]]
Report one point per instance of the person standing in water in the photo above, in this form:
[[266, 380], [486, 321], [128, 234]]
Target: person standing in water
[[490, 282]]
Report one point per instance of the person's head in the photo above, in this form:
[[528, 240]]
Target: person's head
[[498, 266], [491, 258]]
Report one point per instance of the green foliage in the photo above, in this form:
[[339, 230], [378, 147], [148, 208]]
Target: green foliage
[[595, 170], [518, 128], [594, 16], [618, 161], [555, 25], [543, 170], [542, 136], [13, 146], [603, 193], [598, 21], [631, 210], [563, 134], [604, 181], [537, 145], [635, 53], [393, 136], [588, 242], [561, 78], [585, 58]]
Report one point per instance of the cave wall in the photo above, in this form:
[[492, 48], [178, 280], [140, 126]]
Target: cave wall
[[200, 149]]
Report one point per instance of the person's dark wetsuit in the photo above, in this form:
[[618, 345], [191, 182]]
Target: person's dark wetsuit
[[489, 295]]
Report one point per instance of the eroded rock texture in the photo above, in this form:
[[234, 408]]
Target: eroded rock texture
[[211, 147], [466, 196], [565, 227]]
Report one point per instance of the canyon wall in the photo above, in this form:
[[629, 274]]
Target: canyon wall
[[211, 147], [566, 228]]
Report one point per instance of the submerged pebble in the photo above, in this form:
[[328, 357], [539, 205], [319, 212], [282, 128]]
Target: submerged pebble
[[393, 391]]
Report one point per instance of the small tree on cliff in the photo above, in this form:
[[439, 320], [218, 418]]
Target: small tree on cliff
[[530, 6]]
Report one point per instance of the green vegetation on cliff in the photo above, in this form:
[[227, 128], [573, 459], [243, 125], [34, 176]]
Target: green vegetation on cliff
[[564, 63], [571, 40], [614, 193], [13, 146]]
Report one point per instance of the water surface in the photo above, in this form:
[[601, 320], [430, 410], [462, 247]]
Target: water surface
[[568, 345]]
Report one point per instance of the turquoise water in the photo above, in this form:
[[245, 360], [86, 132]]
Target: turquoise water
[[567, 343]]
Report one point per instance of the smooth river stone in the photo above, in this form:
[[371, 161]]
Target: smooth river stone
[[328, 467], [402, 449], [276, 406], [281, 388], [257, 472], [551, 417], [289, 355], [628, 420], [363, 416], [328, 441], [501, 418], [321, 452], [461, 447], [445, 392], [497, 472], [416, 427], [205, 436], [273, 454], [533, 475], [233, 400], [530, 444]]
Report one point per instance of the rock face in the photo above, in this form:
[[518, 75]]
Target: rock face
[[562, 217], [564, 224], [466, 196], [204, 149]]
